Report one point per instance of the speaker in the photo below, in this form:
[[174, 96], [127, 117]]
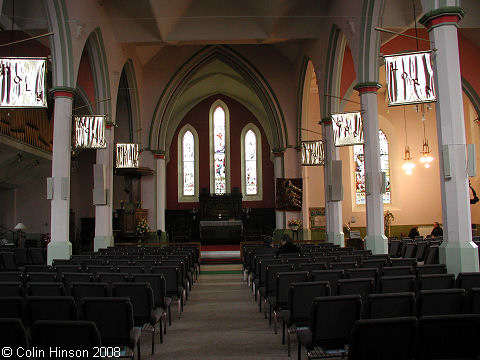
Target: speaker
[[65, 185], [49, 188], [336, 186], [99, 185], [383, 182], [447, 170], [471, 160]]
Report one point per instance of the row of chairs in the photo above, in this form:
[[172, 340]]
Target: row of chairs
[[12, 258], [110, 322], [411, 249], [335, 329]]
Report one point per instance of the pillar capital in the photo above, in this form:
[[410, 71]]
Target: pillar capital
[[367, 87], [326, 121], [158, 154], [63, 91], [278, 152], [441, 16]]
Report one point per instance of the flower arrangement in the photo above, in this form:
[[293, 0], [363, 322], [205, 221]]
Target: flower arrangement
[[294, 223], [142, 227]]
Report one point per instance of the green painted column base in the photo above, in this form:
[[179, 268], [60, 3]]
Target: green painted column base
[[58, 250], [336, 238], [102, 242], [459, 256], [377, 243]]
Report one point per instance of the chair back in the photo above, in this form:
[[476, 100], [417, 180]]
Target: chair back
[[42, 277], [361, 286], [440, 302], [16, 276], [432, 255], [448, 337], [343, 265], [390, 305], [11, 288], [396, 284], [396, 271], [141, 297], [45, 289], [394, 339], [332, 319], [13, 334], [12, 307], [430, 269], [71, 335], [332, 276], [271, 275], [436, 281], [466, 280], [50, 308], [157, 283], [300, 299], [282, 285], [404, 262], [172, 279], [80, 290], [113, 317]]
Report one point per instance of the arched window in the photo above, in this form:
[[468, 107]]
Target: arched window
[[251, 153], [219, 148], [187, 164], [359, 162]]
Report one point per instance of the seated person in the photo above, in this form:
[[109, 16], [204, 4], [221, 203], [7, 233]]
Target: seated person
[[288, 246], [437, 230], [266, 247], [413, 232]]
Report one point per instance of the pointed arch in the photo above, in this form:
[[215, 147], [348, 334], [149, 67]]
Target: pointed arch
[[131, 77], [98, 59], [269, 113], [63, 71]]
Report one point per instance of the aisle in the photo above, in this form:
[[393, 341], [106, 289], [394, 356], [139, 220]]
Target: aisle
[[221, 321]]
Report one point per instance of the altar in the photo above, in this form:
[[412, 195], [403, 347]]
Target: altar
[[220, 217], [220, 229]]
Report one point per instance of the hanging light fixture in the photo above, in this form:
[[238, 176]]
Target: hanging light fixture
[[427, 157], [408, 165]]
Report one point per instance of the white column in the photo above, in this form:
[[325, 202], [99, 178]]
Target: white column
[[375, 239], [104, 212], [60, 246], [458, 251], [278, 172], [161, 191], [333, 209]]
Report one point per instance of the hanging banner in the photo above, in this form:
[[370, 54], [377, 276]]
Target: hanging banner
[[127, 156], [409, 78], [288, 194], [23, 82], [313, 153], [347, 129], [90, 132]]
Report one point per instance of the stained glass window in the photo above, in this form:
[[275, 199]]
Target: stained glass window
[[219, 155], [250, 163], [359, 161], [188, 144]]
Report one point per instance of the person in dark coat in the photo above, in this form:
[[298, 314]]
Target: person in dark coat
[[413, 232], [266, 247], [437, 230], [288, 246]]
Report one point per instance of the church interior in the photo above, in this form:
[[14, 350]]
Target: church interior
[[175, 130]]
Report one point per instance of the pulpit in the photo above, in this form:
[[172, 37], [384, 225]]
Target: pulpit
[[128, 220]]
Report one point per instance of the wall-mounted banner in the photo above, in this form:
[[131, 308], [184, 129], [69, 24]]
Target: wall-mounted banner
[[288, 194], [90, 132], [127, 156], [347, 129], [23, 82], [409, 78], [313, 153]]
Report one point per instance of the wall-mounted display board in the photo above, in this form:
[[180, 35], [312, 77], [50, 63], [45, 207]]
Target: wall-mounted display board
[[317, 218], [89, 132], [23, 82], [347, 128], [409, 78]]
